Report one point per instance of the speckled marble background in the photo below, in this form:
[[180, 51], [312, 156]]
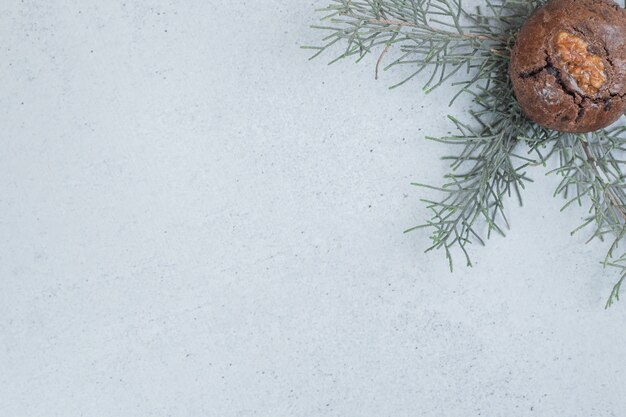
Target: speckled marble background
[[196, 221]]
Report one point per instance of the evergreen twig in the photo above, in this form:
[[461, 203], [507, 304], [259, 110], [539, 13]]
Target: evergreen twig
[[439, 40]]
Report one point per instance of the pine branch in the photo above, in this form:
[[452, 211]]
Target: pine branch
[[592, 174], [429, 34], [439, 39]]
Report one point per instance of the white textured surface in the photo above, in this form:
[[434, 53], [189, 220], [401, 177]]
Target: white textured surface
[[196, 221]]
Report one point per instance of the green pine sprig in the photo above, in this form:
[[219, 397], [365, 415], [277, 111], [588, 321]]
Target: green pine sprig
[[443, 43], [591, 172]]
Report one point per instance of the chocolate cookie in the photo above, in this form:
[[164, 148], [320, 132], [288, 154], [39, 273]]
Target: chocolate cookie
[[568, 66]]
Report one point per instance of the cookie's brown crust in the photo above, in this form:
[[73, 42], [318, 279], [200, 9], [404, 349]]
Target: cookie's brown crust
[[546, 93]]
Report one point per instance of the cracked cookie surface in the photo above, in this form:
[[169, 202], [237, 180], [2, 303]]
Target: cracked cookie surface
[[568, 66]]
